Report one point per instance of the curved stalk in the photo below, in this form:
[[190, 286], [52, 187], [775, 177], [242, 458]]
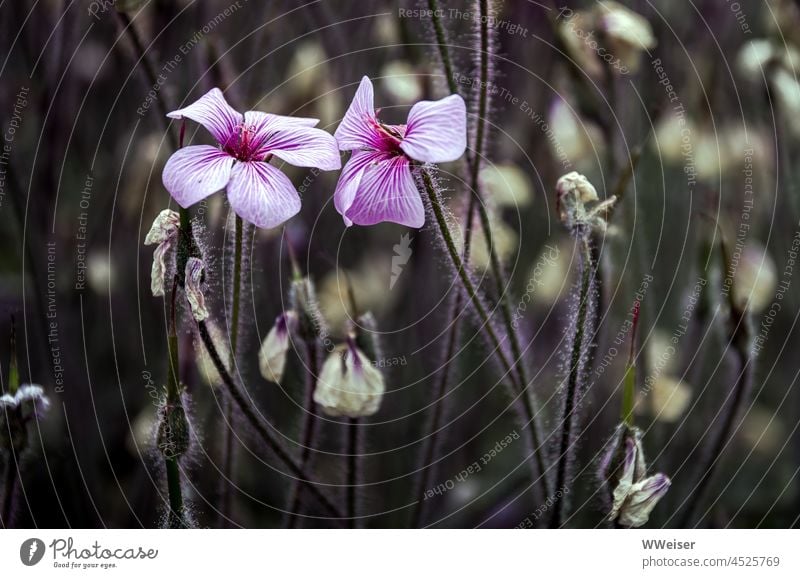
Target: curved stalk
[[258, 425], [567, 444]]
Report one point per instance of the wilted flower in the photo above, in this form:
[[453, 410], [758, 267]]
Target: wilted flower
[[258, 192], [28, 402], [164, 233], [349, 385], [573, 191], [627, 32], [194, 291], [376, 184], [623, 472], [272, 355]]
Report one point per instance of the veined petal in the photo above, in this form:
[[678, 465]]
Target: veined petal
[[350, 180], [384, 191], [437, 130], [213, 112], [264, 124], [304, 147], [357, 129], [193, 173], [261, 194]]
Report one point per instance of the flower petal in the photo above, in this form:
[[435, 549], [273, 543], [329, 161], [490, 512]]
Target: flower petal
[[304, 147], [264, 124], [193, 173], [261, 194], [377, 189], [437, 130], [213, 112], [357, 127]]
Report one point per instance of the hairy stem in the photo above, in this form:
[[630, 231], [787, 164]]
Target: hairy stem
[[442, 44], [228, 447], [309, 430], [567, 444], [475, 300], [175, 518], [258, 425]]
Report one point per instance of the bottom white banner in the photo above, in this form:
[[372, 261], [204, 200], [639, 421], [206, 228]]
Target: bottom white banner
[[389, 553]]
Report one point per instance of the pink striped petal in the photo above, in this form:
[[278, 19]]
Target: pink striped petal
[[193, 173], [304, 147], [261, 194], [213, 112], [357, 129], [378, 189], [264, 124], [437, 130]]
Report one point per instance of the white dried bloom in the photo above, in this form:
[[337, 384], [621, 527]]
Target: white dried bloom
[[163, 232], [575, 182], [29, 399], [165, 226], [273, 351], [194, 291], [573, 192], [349, 385]]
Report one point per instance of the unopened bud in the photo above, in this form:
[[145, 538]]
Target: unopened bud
[[573, 192], [273, 352], [349, 384]]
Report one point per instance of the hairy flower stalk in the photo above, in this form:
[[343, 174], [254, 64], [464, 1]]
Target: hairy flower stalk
[[473, 164], [574, 192], [257, 423], [740, 342]]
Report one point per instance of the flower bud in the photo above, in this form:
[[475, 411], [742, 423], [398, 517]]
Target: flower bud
[[573, 191], [623, 472], [272, 355], [193, 287], [173, 431], [349, 385]]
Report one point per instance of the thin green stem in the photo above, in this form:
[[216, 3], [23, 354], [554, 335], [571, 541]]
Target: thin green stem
[[567, 444], [258, 425]]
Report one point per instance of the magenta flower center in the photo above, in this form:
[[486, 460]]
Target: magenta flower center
[[240, 144], [389, 136]]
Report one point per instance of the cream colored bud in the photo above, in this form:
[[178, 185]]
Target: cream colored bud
[[274, 349], [349, 385]]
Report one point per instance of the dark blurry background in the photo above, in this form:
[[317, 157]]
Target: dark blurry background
[[86, 142]]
